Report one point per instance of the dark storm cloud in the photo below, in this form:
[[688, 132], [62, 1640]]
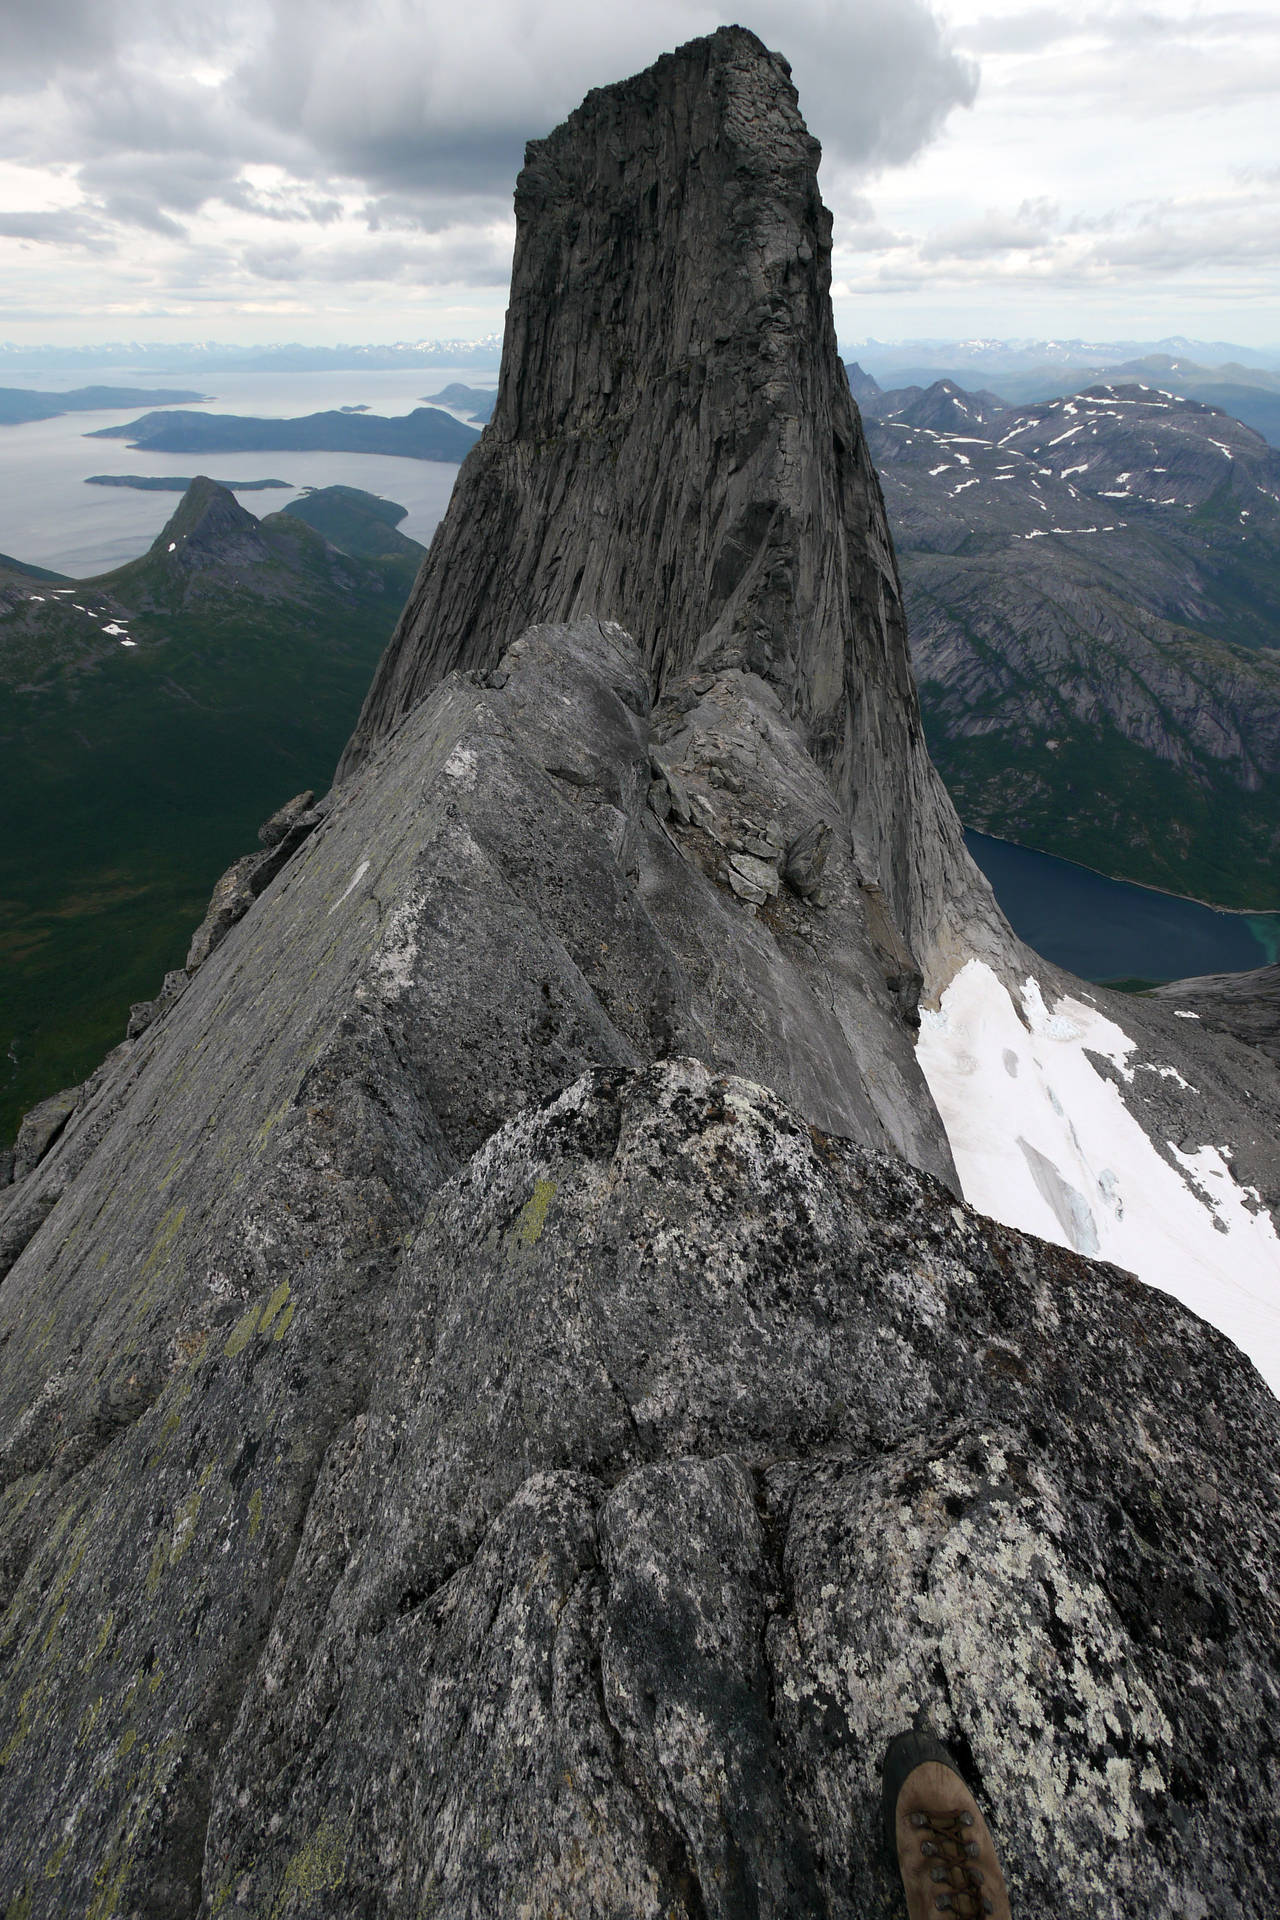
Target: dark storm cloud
[[381, 138], [416, 97], [39, 39], [447, 96]]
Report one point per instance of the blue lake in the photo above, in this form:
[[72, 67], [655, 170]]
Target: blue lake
[[1109, 930]]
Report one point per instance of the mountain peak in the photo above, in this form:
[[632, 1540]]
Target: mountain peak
[[675, 447], [206, 517]]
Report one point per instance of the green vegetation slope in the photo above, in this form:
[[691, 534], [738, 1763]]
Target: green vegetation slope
[[149, 720]]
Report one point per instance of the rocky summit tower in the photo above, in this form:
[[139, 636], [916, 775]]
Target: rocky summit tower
[[675, 448], [502, 1411]]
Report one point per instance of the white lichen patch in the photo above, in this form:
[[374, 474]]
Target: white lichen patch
[[461, 766], [955, 1597], [396, 956]]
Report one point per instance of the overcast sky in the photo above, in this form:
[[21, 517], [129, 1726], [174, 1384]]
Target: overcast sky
[[328, 170]]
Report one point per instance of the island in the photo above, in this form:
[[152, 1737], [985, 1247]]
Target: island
[[424, 434], [175, 483], [19, 405], [477, 402]]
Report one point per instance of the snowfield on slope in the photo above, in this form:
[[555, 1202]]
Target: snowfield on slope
[[1043, 1142]]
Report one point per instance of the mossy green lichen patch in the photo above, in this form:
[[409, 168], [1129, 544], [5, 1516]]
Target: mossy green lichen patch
[[255, 1513], [99, 1646], [243, 1331], [271, 1318], [159, 1560], [533, 1214], [317, 1867], [278, 1300], [167, 1232]]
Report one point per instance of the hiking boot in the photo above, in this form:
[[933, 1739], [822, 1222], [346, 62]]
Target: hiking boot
[[935, 1831]]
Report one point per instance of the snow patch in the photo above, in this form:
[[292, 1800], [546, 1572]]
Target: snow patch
[[1044, 1142]]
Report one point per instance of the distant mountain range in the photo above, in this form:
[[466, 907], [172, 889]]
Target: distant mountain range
[[218, 356], [1246, 388], [887, 357], [428, 433], [1093, 589], [149, 719]]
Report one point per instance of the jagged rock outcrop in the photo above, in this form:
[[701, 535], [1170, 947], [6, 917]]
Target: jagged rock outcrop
[[501, 1409], [674, 447]]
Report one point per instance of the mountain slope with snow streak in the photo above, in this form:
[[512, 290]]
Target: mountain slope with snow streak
[[1044, 1140], [1093, 597]]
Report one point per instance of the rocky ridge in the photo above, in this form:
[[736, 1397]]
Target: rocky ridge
[[501, 1407], [625, 379]]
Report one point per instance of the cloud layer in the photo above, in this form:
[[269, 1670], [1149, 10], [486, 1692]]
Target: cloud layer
[[303, 140], [318, 166]]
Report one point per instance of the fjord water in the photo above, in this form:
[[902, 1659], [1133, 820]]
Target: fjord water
[[50, 518], [1107, 929]]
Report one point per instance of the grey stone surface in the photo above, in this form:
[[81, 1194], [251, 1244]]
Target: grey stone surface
[[1245, 1005], [285, 818], [588, 1566], [675, 448]]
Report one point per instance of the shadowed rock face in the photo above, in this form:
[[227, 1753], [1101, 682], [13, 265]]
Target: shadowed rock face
[[675, 448]]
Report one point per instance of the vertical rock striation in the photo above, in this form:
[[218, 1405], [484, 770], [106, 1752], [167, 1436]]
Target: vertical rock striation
[[675, 448]]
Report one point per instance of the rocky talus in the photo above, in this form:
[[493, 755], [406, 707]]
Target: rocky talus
[[1244, 1005], [674, 447], [501, 1408]]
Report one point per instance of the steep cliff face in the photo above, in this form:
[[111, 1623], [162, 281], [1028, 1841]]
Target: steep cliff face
[[675, 448], [503, 1412]]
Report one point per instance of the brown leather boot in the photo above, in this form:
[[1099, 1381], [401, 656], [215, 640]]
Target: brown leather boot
[[934, 1829]]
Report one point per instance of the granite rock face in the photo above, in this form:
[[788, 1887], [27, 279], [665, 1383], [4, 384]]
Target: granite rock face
[[675, 448], [588, 1565]]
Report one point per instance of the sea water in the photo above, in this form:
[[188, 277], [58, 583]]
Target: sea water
[[50, 518]]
